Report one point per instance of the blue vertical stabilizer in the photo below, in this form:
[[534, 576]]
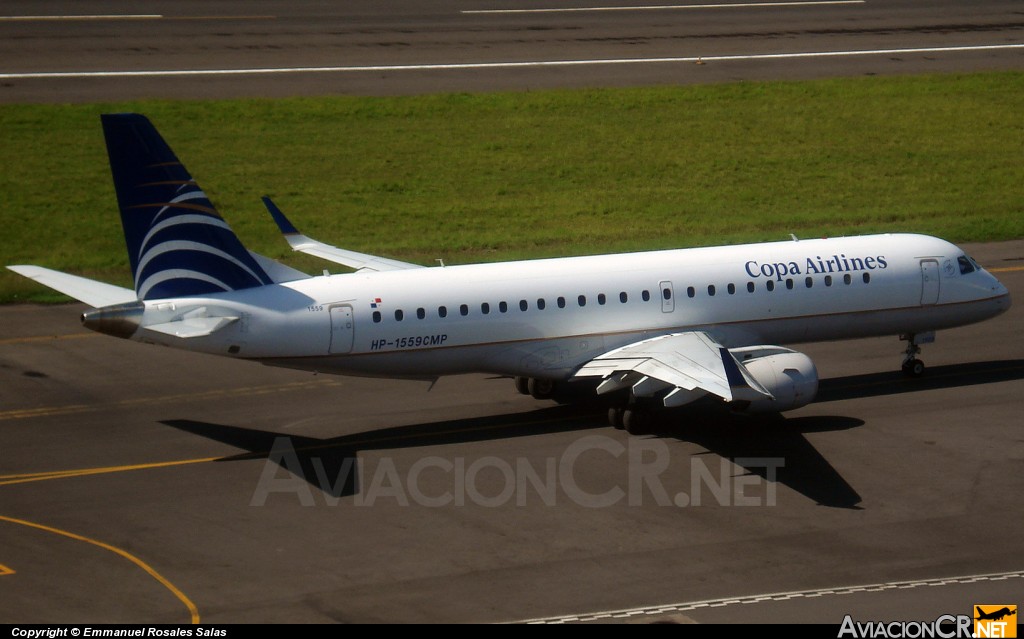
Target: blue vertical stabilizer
[[178, 244]]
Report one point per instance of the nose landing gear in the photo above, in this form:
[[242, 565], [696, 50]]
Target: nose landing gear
[[913, 367]]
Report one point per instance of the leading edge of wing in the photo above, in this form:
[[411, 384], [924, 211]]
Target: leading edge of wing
[[351, 259], [691, 364]]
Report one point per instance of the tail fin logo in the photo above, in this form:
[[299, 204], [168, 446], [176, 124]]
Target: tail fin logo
[[186, 233], [178, 244]]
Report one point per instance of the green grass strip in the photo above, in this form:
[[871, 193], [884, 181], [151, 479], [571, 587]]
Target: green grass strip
[[485, 177]]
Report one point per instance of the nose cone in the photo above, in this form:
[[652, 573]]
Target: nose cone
[[1005, 302], [1003, 294], [119, 320], [1000, 301]]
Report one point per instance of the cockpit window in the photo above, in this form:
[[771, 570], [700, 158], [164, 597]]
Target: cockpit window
[[966, 265]]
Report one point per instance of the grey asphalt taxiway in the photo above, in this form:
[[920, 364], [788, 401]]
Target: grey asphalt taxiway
[[101, 51], [146, 484], [140, 484]]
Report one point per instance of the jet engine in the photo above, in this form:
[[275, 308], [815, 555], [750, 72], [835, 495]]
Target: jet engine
[[790, 377]]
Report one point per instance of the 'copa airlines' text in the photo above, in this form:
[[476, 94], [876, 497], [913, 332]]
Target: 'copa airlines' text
[[815, 265]]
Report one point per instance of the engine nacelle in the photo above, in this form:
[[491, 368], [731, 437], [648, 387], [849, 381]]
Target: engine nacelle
[[790, 377]]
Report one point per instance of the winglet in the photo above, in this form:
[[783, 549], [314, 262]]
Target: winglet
[[351, 259], [282, 222]]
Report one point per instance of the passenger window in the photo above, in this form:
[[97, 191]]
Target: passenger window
[[421, 313], [809, 281], [789, 283], [828, 280], [485, 308], [399, 315], [750, 287], [866, 277], [561, 302], [770, 285], [582, 300], [442, 311], [463, 310], [711, 289], [503, 307], [645, 296], [541, 304], [376, 317], [623, 298], [847, 279], [601, 299], [690, 291], [523, 305], [732, 289]]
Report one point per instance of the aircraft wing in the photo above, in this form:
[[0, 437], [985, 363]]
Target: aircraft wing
[[690, 365], [93, 293], [351, 259]]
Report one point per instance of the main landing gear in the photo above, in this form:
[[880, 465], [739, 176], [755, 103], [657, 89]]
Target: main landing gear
[[536, 388], [913, 367], [633, 419]]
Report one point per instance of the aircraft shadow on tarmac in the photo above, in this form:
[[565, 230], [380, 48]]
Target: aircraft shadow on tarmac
[[335, 459], [331, 465], [934, 378], [749, 442], [732, 437], [806, 470]]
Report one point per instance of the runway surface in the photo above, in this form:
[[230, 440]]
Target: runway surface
[[140, 484], [96, 51], [147, 484]]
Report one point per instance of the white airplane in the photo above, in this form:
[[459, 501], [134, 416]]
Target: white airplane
[[651, 329]]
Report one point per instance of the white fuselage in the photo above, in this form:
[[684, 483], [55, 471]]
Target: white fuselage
[[545, 318]]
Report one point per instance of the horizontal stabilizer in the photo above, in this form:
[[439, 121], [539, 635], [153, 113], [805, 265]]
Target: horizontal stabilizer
[[93, 293], [351, 259]]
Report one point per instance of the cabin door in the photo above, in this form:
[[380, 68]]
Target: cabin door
[[342, 329], [929, 282]]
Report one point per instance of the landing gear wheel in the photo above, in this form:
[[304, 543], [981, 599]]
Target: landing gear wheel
[[635, 421], [522, 385], [540, 388], [913, 368], [615, 417]]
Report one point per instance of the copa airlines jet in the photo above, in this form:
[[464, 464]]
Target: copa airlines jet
[[651, 329]]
